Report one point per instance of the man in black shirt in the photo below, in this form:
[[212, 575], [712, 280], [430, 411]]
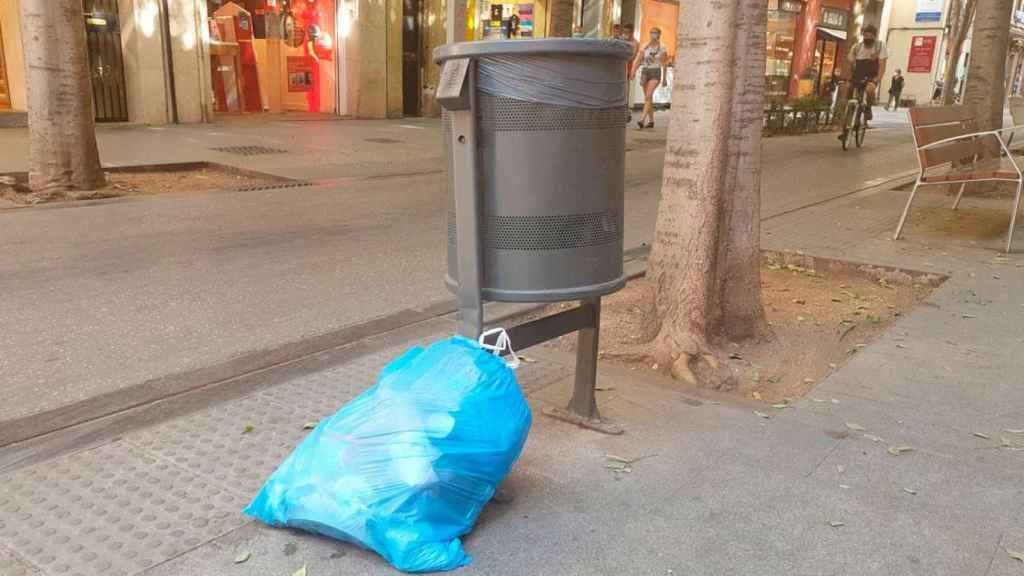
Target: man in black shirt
[[895, 89]]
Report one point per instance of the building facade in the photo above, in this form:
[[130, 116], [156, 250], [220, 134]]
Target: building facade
[[163, 61], [916, 35]]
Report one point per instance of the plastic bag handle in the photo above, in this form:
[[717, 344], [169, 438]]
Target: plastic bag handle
[[502, 343]]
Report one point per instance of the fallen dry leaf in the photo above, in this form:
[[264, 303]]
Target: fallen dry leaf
[[897, 450], [910, 491], [248, 428], [836, 523], [762, 415], [242, 557], [1015, 555], [854, 426], [300, 571], [982, 435], [309, 425]]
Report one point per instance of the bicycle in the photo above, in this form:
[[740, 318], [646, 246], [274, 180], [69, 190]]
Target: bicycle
[[854, 119]]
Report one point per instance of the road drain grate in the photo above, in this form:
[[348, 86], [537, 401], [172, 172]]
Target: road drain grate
[[273, 186], [248, 150], [382, 140]]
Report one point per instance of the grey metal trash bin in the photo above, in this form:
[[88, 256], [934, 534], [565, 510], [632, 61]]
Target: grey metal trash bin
[[551, 118], [535, 133]]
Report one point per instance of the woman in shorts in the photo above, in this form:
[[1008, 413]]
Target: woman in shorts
[[651, 62]]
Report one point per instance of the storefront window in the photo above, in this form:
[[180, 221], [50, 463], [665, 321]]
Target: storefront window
[[273, 55], [499, 20], [781, 37]]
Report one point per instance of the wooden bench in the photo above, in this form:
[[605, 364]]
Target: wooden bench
[[950, 150]]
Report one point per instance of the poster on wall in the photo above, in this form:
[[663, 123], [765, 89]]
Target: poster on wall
[[922, 52], [929, 11], [525, 20], [300, 74]]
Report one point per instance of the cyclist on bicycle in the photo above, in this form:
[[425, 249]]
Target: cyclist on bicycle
[[867, 59]]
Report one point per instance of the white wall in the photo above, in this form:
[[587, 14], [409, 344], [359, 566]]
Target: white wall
[[189, 39], [901, 30], [143, 55]]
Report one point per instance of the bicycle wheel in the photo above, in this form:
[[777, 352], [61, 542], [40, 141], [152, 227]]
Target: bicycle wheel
[[860, 128], [847, 121]]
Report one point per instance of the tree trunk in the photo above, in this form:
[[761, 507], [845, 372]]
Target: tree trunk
[[961, 15], [62, 132], [990, 43], [560, 18], [705, 262], [743, 314]]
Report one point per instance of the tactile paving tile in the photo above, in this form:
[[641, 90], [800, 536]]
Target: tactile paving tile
[[110, 511], [11, 565], [214, 442], [324, 393]]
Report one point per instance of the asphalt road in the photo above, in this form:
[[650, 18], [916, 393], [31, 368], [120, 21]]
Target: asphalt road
[[100, 297]]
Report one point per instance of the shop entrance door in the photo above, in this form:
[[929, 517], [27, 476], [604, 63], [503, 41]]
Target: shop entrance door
[[411, 81], [103, 39], [825, 52]]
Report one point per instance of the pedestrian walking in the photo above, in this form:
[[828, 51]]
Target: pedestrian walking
[[895, 89], [652, 62], [629, 36]]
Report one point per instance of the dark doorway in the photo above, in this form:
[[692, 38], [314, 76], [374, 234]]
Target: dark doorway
[[411, 70], [103, 38], [826, 57]]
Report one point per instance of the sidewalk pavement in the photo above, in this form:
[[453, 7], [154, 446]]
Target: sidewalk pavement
[[721, 491], [117, 302], [304, 149]]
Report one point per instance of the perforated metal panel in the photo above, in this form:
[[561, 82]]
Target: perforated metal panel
[[560, 232], [510, 115], [551, 180]]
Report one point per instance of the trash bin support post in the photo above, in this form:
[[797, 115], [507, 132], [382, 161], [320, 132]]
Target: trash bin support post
[[583, 402], [584, 319], [467, 207]]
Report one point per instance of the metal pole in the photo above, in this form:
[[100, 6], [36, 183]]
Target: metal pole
[[583, 402], [467, 213], [582, 408]]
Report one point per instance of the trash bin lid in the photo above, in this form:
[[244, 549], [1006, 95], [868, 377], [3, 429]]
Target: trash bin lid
[[604, 48]]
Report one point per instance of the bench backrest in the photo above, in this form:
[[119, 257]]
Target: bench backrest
[[934, 123], [1017, 110]]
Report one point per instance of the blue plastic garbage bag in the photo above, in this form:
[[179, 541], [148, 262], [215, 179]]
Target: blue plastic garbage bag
[[405, 468]]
